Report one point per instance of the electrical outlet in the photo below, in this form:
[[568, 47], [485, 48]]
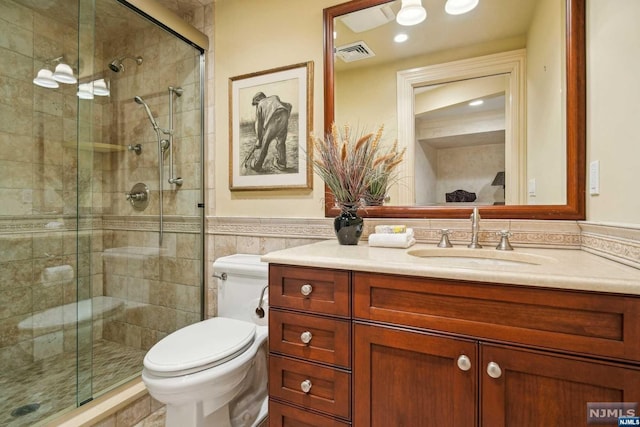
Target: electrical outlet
[[594, 178]]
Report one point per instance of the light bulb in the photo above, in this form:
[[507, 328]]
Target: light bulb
[[411, 13]]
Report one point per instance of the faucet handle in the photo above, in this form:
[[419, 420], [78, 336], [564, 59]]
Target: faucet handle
[[504, 244], [444, 240]]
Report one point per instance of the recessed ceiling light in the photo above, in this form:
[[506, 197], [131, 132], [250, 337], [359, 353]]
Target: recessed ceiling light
[[476, 103], [400, 38]]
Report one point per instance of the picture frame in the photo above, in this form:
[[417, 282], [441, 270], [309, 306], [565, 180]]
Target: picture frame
[[270, 117]]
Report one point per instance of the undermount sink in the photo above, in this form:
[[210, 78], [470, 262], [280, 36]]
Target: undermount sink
[[479, 256]]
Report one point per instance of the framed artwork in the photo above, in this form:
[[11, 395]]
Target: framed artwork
[[270, 117]]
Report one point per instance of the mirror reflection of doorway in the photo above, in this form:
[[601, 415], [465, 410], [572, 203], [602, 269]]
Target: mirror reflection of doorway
[[460, 141]]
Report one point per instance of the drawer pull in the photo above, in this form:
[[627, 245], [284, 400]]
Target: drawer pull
[[493, 369], [305, 337], [305, 386], [306, 289], [464, 363]]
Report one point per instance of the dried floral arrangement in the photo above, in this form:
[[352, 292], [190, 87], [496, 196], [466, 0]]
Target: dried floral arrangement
[[357, 167]]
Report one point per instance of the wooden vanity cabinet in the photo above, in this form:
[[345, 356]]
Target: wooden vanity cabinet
[[433, 352], [309, 347], [462, 353]]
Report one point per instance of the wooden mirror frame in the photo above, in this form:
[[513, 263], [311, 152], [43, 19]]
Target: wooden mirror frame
[[574, 209]]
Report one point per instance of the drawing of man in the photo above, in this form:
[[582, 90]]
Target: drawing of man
[[272, 121]]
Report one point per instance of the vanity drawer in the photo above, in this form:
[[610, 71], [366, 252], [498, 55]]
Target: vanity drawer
[[287, 416], [590, 323], [329, 340], [314, 290], [329, 389]]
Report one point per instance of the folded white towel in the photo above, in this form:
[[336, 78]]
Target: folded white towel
[[392, 240], [391, 229]]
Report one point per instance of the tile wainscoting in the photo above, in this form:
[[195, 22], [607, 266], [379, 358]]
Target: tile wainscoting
[[617, 242], [228, 235]]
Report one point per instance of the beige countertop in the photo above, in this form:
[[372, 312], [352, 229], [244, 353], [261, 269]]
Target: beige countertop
[[549, 268]]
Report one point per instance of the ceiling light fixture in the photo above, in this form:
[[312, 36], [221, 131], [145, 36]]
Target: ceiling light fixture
[[64, 74], [401, 38], [45, 79], [476, 103], [100, 88], [411, 13], [458, 7], [85, 91]]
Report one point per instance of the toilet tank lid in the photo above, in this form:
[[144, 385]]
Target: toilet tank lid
[[241, 264]]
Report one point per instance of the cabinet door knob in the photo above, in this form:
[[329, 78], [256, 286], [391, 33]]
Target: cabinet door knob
[[493, 369], [305, 337], [306, 289], [464, 363], [305, 386]]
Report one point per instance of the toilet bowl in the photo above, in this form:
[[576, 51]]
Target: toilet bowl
[[214, 372]]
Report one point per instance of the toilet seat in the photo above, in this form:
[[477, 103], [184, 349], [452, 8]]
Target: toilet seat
[[219, 340]]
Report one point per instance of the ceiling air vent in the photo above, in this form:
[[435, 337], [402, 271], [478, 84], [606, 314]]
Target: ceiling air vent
[[354, 51]]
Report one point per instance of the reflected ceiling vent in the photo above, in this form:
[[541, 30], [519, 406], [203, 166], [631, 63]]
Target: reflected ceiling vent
[[354, 51], [367, 19]]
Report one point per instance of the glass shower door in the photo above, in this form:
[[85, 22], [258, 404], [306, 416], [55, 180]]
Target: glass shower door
[[86, 287]]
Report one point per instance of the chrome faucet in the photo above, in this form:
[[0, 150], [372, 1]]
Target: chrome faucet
[[475, 228]]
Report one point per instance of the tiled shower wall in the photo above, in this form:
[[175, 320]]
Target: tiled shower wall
[[46, 182], [160, 284], [38, 188]]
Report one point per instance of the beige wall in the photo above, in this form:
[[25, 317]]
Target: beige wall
[[252, 36], [613, 91], [612, 113], [546, 158]]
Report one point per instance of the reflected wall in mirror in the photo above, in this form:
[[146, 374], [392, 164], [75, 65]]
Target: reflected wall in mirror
[[370, 80], [460, 141]]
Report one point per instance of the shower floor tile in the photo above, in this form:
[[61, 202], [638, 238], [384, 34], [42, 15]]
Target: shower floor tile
[[52, 382]]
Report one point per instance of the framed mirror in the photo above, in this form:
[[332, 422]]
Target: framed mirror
[[537, 97]]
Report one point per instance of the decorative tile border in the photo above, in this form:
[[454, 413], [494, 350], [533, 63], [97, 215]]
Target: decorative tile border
[[50, 224], [619, 243], [47, 224], [171, 224], [558, 234], [271, 227]]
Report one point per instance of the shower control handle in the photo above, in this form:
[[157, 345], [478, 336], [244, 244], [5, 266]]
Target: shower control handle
[[305, 386], [306, 289], [306, 337], [138, 196]]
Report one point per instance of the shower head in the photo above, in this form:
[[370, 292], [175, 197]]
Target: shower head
[[146, 107], [116, 65]]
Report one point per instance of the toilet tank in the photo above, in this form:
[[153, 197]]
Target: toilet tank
[[241, 279]]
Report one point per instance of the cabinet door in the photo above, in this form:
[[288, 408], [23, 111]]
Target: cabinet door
[[528, 388], [413, 379]]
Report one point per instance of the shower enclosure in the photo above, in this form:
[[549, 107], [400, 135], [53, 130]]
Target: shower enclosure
[[101, 219]]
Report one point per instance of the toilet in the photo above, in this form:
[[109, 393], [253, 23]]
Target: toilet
[[214, 372]]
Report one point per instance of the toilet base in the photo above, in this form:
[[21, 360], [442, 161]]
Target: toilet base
[[192, 415]]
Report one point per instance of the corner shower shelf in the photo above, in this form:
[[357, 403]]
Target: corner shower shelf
[[99, 147]]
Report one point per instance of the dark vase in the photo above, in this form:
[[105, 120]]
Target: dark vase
[[348, 226]]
